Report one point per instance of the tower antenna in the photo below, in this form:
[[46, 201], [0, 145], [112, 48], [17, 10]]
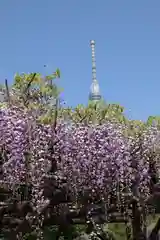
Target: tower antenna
[[94, 89]]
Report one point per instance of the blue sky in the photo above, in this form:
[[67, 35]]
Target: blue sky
[[57, 33]]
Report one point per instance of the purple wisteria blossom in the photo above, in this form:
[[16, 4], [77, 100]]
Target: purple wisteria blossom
[[94, 157]]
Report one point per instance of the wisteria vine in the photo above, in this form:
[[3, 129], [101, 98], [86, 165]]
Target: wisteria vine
[[99, 159], [93, 157]]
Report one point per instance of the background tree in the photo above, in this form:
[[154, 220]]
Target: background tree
[[34, 92], [97, 113], [153, 121]]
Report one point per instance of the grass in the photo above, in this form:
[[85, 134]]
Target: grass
[[120, 230]]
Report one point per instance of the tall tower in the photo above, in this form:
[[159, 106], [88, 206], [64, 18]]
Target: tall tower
[[94, 89]]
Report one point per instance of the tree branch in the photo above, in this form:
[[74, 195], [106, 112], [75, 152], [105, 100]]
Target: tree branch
[[26, 91], [7, 91]]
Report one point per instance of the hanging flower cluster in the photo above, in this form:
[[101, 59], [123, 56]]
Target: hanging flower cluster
[[97, 158], [102, 160]]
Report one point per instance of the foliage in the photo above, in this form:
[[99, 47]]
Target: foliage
[[56, 170], [153, 120], [94, 113], [31, 89], [35, 93]]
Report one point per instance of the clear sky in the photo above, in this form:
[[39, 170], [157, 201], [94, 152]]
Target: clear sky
[[57, 33]]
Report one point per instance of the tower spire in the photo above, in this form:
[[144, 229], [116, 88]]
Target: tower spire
[[94, 89]]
